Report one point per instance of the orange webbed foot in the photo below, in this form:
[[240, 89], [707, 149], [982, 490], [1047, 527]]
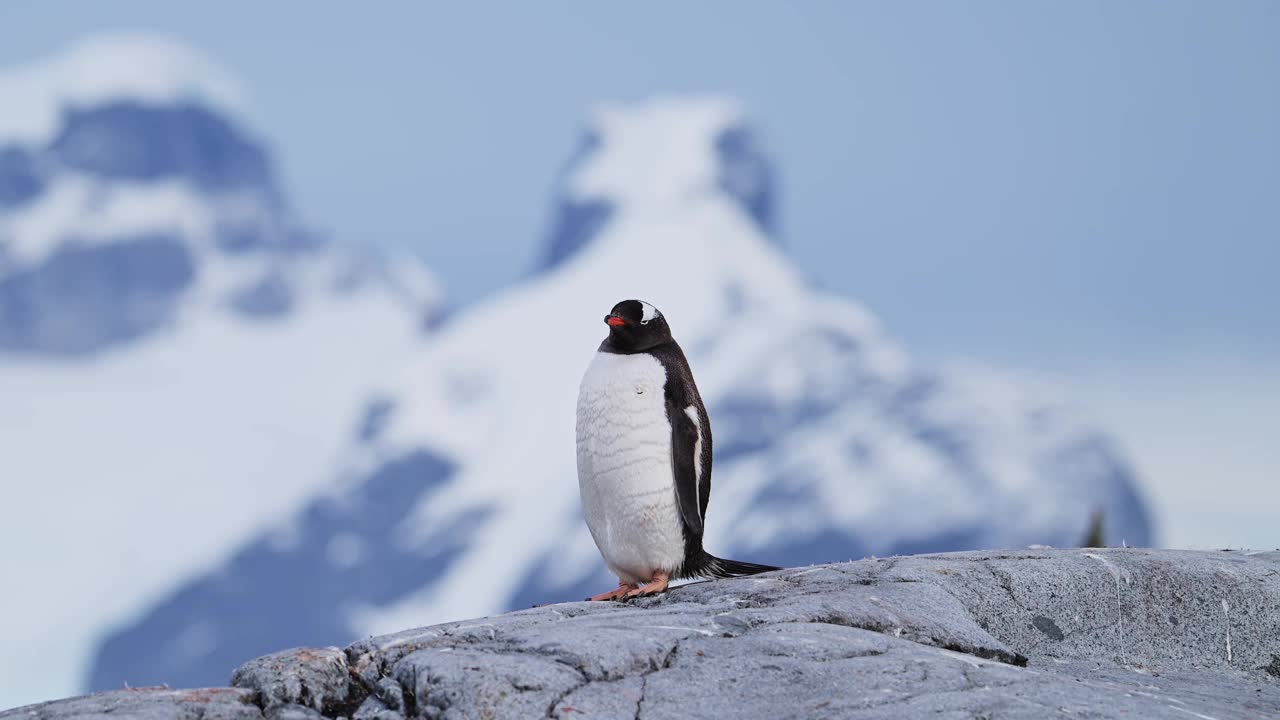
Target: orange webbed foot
[[617, 594], [653, 587]]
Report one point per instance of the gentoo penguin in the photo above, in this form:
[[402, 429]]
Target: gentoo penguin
[[644, 458]]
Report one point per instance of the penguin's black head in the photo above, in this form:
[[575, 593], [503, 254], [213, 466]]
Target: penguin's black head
[[636, 326]]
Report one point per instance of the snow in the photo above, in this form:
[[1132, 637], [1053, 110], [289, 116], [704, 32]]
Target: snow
[[82, 208], [140, 66], [409, 277], [657, 153], [231, 425]]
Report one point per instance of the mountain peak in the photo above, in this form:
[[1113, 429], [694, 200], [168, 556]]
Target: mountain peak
[[655, 153], [655, 157], [144, 67], [125, 174]]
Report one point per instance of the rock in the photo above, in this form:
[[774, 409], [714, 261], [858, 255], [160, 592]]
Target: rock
[[293, 712], [313, 679], [149, 703], [374, 709], [1093, 632]]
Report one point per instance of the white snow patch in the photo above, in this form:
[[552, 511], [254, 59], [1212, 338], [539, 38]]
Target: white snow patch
[[83, 210], [140, 66], [656, 154]]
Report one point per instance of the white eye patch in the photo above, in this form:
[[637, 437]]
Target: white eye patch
[[650, 312]]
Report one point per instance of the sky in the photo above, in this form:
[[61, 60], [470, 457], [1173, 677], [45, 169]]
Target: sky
[[1089, 191]]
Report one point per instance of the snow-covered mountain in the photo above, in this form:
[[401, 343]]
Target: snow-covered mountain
[[460, 497], [180, 358]]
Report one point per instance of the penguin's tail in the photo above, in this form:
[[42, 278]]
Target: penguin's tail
[[715, 567]]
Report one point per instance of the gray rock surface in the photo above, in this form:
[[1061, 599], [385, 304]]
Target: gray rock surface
[[149, 703], [313, 679], [1096, 633]]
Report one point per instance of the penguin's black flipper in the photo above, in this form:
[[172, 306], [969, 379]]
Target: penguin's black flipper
[[684, 443]]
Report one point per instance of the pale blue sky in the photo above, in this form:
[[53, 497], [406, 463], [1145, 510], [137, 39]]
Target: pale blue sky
[[1056, 185]]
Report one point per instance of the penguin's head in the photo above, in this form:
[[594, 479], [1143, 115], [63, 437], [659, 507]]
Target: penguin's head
[[636, 326]]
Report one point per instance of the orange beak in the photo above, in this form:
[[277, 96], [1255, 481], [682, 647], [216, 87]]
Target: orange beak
[[615, 321]]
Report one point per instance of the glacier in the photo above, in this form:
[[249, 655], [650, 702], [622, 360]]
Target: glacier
[[456, 494]]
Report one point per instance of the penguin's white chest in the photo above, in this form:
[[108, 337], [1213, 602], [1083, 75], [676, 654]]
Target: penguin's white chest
[[624, 466]]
